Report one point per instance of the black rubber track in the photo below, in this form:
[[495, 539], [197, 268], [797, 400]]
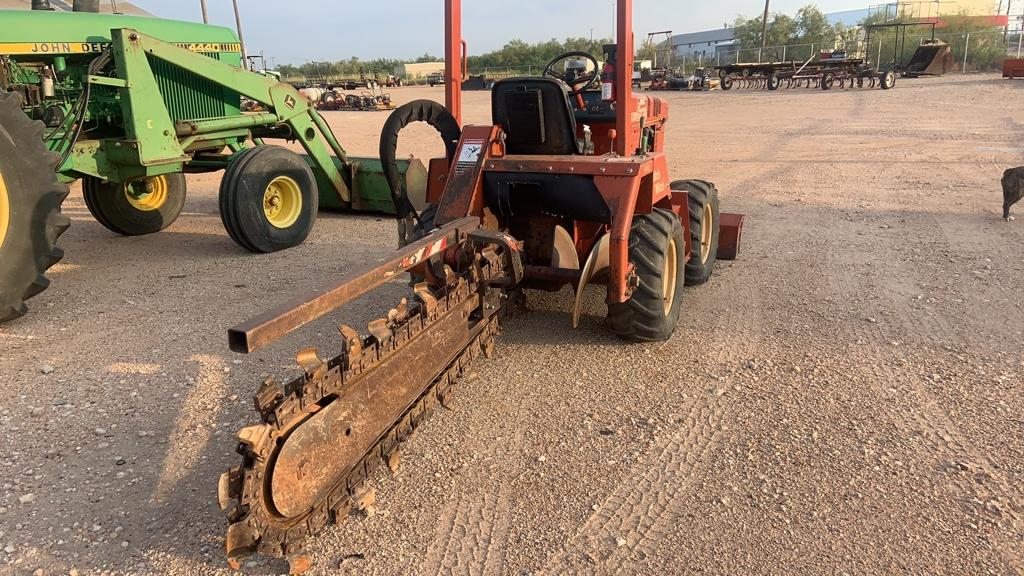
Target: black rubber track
[[427, 111], [35, 196], [642, 318]]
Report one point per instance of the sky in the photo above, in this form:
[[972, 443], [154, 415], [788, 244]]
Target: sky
[[303, 30]]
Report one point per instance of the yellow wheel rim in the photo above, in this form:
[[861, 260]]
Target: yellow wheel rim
[[282, 202], [5, 210], [149, 195], [668, 278], [707, 233]]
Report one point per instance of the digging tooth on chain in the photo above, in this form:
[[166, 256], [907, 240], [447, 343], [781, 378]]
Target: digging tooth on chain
[[255, 439], [450, 277], [299, 563], [401, 312], [363, 499], [379, 330], [393, 458], [309, 360], [353, 350], [267, 398], [229, 489], [426, 298], [241, 542]]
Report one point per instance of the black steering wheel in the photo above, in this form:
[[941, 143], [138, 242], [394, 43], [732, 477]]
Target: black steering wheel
[[578, 81]]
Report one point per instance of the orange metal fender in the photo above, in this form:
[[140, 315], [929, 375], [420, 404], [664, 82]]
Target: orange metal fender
[[597, 261]]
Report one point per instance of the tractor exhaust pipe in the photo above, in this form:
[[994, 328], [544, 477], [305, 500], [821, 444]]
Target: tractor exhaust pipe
[[85, 6], [41, 5]]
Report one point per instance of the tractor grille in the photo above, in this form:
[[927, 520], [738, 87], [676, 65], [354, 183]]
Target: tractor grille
[[191, 97]]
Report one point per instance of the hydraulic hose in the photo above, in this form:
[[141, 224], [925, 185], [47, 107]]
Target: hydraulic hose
[[427, 111], [95, 67]]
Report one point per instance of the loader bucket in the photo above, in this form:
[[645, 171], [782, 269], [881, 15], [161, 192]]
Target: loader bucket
[[370, 190], [931, 59]]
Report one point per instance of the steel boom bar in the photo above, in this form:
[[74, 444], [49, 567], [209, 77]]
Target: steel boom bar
[[270, 326]]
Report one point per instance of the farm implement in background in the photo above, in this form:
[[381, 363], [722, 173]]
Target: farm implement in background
[[838, 69], [827, 71]]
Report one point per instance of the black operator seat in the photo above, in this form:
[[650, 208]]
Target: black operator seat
[[536, 115]]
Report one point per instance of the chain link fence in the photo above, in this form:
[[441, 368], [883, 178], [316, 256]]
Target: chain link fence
[[972, 51], [502, 72]]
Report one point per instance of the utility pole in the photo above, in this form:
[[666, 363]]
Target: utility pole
[[241, 41], [1006, 31], [614, 27], [764, 25], [206, 17]]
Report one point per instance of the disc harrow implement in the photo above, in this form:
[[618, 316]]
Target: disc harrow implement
[[824, 75]]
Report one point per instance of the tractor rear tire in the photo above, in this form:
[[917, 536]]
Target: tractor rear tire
[[657, 249], [131, 210], [268, 199], [30, 217], [704, 229]]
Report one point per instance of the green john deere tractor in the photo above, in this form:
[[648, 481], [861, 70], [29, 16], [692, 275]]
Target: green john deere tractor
[[128, 105]]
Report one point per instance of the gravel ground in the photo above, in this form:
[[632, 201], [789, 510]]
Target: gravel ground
[[846, 398]]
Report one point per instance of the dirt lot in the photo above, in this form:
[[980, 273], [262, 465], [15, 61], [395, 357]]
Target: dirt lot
[[846, 398]]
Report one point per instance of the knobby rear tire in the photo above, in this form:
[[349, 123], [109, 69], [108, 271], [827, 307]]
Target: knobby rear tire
[[703, 203], [31, 200], [647, 316]]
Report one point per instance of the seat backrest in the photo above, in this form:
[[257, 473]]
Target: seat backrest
[[536, 115]]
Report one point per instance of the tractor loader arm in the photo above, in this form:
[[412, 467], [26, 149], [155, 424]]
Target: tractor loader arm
[[320, 436], [152, 130]]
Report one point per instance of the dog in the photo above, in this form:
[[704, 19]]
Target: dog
[[1013, 189]]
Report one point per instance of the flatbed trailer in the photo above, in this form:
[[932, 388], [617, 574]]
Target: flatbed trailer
[[748, 69]]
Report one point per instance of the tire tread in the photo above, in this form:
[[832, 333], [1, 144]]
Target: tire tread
[[642, 318], [49, 192]]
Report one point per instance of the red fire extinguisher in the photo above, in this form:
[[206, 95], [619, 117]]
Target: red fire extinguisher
[[608, 82]]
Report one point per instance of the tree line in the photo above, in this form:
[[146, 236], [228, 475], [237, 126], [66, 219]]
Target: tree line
[[514, 54], [350, 68], [985, 49], [808, 26]]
